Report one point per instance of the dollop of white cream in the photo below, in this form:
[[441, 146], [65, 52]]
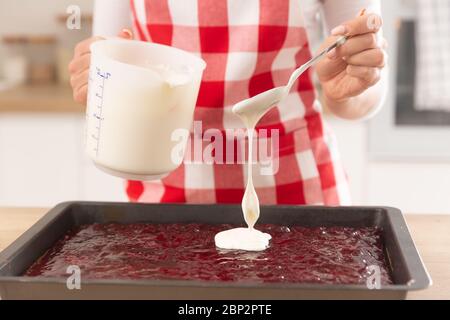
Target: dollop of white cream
[[242, 239], [174, 75]]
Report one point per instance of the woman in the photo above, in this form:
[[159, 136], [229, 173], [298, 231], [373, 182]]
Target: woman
[[251, 46]]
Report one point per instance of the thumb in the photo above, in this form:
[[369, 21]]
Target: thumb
[[126, 34]]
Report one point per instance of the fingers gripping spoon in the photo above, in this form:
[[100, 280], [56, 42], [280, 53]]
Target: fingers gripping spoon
[[254, 108]]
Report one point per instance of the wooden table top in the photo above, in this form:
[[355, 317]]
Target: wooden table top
[[52, 98], [431, 234]]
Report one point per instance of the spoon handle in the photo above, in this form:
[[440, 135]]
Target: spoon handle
[[339, 42]]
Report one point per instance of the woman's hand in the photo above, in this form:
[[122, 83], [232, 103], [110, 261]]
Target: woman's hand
[[79, 66], [351, 69]]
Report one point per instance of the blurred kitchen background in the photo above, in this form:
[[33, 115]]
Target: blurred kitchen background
[[400, 158]]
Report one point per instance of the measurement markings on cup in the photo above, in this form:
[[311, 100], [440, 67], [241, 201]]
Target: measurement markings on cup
[[98, 114]]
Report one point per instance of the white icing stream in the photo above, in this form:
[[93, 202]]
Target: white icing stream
[[251, 111], [249, 238]]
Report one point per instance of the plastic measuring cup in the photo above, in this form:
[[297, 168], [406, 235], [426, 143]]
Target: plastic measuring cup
[[139, 95]]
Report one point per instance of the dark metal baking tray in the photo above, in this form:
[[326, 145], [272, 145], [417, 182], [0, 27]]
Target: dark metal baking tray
[[406, 266]]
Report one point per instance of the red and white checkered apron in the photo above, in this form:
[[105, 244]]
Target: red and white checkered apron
[[249, 46]]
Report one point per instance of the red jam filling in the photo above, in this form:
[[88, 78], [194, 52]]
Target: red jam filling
[[329, 255]]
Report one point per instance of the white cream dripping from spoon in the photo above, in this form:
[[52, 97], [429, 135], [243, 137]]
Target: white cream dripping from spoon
[[251, 111]]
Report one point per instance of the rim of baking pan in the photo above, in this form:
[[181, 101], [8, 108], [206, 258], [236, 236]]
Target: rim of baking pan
[[420, 276]]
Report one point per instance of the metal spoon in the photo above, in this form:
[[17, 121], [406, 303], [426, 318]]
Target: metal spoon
[[261, 103]]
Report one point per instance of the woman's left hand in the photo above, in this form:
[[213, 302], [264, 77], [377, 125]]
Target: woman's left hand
[[352, 68]]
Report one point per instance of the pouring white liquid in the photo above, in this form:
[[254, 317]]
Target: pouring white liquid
[[251, 111], [249, 238]]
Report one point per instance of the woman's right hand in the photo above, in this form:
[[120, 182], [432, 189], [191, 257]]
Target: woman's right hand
[[79, 66]]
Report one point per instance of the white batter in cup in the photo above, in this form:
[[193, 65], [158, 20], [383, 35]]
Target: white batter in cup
[[139, 95]]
